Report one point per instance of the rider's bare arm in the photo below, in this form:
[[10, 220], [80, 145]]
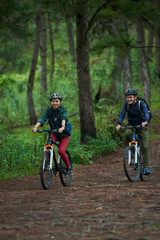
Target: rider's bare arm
[[36, 127]]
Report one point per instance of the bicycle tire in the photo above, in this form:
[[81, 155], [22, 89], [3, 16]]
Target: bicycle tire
[[45, 171], [132, 170], [65, 180], [142, 176]]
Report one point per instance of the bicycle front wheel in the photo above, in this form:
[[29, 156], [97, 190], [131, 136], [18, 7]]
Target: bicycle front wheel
[[45, 171], [65, 180], [132, 169]]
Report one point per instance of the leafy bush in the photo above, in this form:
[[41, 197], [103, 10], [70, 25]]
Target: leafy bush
[[16, 158]]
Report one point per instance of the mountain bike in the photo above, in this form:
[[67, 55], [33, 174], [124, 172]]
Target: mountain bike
[[51, 164], [133, 160]]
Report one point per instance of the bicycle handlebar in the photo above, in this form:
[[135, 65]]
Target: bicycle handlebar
[[47, 130], [133, 128]]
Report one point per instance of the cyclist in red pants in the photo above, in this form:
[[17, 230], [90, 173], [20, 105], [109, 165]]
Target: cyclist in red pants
[[57, 116]]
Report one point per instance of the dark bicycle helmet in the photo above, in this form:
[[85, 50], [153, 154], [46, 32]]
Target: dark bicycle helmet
[[55, 95], [131, 91]]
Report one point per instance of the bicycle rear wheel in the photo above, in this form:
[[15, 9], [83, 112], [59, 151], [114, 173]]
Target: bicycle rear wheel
[[45, 171], [65, 180], [132, 169]]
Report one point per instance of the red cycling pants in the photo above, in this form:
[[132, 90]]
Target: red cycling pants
[[61, 150]]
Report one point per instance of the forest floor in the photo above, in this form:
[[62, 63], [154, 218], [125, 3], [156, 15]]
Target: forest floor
[[100, 203]]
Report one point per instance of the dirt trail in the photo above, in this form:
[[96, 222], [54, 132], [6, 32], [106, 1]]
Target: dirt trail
[[99, 204]]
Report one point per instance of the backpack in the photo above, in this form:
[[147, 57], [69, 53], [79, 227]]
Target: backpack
[[68, 126], [139, 106]]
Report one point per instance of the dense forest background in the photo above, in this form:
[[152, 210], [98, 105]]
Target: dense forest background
[[90, 52]]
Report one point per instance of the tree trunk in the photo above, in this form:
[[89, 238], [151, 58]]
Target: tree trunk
[[127, 69], [145, 74], [122, 62], [32, 113], [157, 51], [117, 75], [87, 121], [150, 43], [16, 46], [52, 54], [6, 49], [70, 38], [157, 55], [43, 54]]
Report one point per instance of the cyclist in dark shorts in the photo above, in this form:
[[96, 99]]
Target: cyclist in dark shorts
[[135, 117], [57, 116]]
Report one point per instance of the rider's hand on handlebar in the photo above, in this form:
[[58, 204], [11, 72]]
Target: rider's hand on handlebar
[[34, 130], [118, 127], [144, 124], [60, 130]]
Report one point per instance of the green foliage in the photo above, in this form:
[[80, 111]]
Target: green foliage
[[16, 158], [107, 140], [12, 99]]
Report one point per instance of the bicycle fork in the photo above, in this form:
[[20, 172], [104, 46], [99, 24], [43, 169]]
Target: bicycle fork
[[135, 144], [52, 155], [50, 149]]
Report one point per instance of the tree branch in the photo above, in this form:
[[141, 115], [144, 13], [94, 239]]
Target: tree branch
[[91, 22], [144, 46], [150, 24], [158, 74]]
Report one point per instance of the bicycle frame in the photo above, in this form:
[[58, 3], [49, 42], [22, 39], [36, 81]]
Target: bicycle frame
[[134, 143], [50, 148], [48, 157]]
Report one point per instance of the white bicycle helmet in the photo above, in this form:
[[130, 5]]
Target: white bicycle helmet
[[131, 91], [55, 95]]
